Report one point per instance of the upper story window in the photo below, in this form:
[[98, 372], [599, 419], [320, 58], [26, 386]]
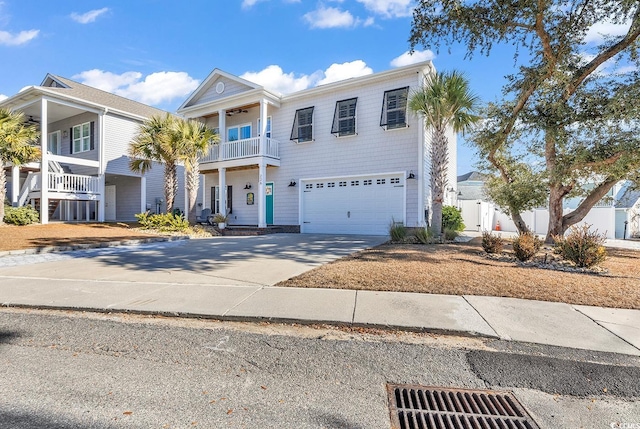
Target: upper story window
[[394, 109], [268, 133], [239, 132], [302, 130], [82, 137], [344, 118]]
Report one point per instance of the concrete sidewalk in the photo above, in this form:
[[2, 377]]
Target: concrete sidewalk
[[581, 327], [187, 279]]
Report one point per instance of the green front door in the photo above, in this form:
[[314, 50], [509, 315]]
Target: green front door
[[269, 205]]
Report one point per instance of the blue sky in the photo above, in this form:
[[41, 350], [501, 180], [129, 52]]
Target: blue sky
[[158, 51]]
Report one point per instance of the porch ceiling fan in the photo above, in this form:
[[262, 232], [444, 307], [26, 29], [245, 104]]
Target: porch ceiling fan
[[32, 121], [236, 111]]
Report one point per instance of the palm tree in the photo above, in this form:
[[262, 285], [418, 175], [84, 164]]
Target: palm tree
[[17, 146], [445, 101], [155, 142], [194, 138]]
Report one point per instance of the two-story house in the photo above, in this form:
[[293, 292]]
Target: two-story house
[[345, 157], [85, 134]]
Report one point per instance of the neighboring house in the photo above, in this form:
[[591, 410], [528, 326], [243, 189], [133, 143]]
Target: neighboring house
[[628, 212], [85, 134], [345, 157], [476, 208]]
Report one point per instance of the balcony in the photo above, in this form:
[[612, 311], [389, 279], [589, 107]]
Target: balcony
[[239, 149], [65, 186]]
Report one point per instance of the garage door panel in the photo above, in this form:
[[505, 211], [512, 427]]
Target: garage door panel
[[361, 205]]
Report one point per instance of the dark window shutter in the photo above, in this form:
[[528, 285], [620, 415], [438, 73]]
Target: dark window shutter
[[71, 140], [394, 108], [344, 118], [93, 135], [294, 129], [230, 199]]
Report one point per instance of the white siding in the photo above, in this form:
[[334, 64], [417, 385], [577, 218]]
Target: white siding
[[231, 87], [119, 132], [66, 125]]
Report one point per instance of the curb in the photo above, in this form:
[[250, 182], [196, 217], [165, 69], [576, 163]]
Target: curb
[[84, 246]]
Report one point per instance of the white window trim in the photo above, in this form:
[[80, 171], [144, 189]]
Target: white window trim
[[73, 140], [269, 132], [59, 138], [248, 124]]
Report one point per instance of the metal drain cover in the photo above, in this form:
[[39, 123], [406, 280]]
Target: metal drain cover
[[426, 407]]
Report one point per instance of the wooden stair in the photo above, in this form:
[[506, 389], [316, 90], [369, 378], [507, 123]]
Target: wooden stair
[[53, 206]]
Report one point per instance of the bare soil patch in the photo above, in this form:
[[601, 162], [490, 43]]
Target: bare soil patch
[[460, 269], [64, 234]]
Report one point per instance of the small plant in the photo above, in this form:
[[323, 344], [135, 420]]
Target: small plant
[[397, 231], [425, 236], [526, 245], [25, 215], [492, 243], [452, 219], [450, 234], [220, 218], [581, 246], [165, 222]]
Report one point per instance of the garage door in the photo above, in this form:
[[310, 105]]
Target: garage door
[[352, 205]]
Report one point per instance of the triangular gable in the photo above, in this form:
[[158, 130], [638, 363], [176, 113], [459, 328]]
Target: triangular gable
[[218, 85], [52, 81]]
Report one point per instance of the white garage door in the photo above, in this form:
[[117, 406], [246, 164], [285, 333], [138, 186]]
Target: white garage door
[[353, 205]]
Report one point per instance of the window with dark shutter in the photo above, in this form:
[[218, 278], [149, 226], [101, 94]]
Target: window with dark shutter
[[302, 130], [394, 109], [344, 118]]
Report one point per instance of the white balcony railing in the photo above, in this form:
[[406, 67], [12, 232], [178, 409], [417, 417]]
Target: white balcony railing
[[244, 148], [69, 183]]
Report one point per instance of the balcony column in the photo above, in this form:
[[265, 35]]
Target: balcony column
[[222, 130], [262, 195], [263, 127], [15, 185], [222, 181], [44, 164], [143, 194], [101, 167]]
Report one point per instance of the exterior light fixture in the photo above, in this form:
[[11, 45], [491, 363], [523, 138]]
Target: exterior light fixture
[[411, 175], [248, 185], [292, 183]]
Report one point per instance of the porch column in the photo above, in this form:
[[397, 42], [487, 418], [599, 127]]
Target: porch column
[[222, 130], [101, 204], [15, 185], [186, 194], [87, 211], [44, 164], [263, 127], [262, 195], [143, 194], [204, 191], [102, 167], [223, 190]]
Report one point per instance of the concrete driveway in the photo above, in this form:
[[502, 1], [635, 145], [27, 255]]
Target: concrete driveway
[[234, 261]]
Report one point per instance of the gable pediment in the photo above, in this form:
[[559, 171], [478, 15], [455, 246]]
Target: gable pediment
[[218, 85]]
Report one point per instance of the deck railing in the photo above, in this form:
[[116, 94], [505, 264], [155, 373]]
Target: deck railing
[[70, 183], [244, 148]]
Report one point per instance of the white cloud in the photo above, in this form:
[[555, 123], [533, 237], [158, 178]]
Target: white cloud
[[599, 30], [154, 89], [273, 77], [337, 72], [330, 17], [408, 58], [3, 97], [389, 8], [91, 16], [20, 38], [248, 4]]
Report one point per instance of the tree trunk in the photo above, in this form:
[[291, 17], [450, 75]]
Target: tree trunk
[[519, 222], [439, 160], [556, 198], [3, 192], [193, 184], [170, 185]]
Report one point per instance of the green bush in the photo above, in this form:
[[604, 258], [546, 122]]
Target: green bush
[[452, 219], [492, 243], [581, 246], [526, 245], [397, 231], [165, 222], [25, 215], [450, 234], [425, 236]]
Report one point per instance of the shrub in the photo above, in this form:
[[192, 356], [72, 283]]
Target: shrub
[[492, 243], [526, 245], [25, 215], [425, 236], [397, 231], [452, 219], [450, 234], [581, 246], [165, 222]]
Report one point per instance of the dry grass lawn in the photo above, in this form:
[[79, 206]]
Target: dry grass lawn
[[460, 269], [63, 234]]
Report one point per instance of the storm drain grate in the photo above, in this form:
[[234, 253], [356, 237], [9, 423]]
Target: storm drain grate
[[425, 407]]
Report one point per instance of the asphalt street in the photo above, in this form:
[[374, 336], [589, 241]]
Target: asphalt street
[[82, 370]]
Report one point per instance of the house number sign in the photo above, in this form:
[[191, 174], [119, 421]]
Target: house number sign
[[249, 198]]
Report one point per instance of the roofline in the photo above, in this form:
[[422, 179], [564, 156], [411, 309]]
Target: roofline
[[54, 77], [276, 100]]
